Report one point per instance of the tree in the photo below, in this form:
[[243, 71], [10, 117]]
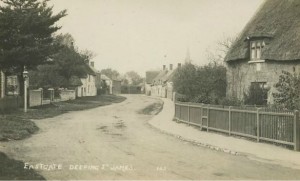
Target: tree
[[211, 82], [288, 91], [184, 80], [112, 74], [222, 46], [46, 76], [133, 78], [205, 84], [65, 67], [26, 29]]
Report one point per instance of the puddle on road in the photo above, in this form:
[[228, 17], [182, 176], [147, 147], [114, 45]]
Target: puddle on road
[[114, 129], [219, 174], [116, 134], [120, 124], [102, 127]]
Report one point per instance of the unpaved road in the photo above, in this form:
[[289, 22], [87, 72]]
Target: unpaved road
[[115, 142]]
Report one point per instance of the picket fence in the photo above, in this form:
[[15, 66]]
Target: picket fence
[[282, 127]]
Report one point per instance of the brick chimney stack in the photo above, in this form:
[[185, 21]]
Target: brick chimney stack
[[171, 66], [179, 65], [164, 67], [92, 64]]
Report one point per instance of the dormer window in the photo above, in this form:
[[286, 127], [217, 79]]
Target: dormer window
[[256, 48]]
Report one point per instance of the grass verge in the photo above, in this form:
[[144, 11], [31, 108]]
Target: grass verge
[[11, 169], [152, 109], [17, 125]]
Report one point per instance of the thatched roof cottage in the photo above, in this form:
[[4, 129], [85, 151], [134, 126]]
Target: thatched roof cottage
[[269, 44]]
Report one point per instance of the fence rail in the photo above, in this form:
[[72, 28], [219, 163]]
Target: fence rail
[[260, 124]]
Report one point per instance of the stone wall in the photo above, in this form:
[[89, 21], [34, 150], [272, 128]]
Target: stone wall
[[240, 74], [35, 98], [67, 95]]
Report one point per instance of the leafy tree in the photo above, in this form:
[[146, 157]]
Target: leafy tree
[[26, 29], [211, 80], [64, 40], [288, 91], [70, 63], [65, 67], [112, 74], [184, 80], [133, 78], [46, 76], [205, 84]]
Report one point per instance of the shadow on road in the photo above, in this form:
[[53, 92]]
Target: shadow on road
[[11, 169]]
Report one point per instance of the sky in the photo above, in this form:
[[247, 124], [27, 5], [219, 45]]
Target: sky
[[142, 35]]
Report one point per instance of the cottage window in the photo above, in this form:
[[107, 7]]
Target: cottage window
[[11, 85], [256, 48]]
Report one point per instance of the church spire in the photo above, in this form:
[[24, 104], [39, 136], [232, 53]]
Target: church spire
[[187, 57]]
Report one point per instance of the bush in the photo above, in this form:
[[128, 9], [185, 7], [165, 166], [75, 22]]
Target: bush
[[183, 99], [288, 91], [230, 101], [205, 84], [256, 95], [203, 99]]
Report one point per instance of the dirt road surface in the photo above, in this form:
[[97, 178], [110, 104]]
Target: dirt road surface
[[115, 142]]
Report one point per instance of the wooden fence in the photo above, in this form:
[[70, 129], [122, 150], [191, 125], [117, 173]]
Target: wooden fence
[[281, 127]]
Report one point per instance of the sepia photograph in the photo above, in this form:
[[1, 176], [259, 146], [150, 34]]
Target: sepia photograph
[[149, 89]]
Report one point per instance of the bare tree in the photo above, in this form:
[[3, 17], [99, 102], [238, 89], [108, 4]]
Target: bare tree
[[218, 53]]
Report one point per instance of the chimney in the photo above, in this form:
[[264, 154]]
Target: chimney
[[164, 67], [93, 64], [179, 65], [171, 66]]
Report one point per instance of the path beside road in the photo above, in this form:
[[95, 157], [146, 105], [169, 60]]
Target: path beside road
[[256, 151]]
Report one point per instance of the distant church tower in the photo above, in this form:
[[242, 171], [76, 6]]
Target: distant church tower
[[187, 57]]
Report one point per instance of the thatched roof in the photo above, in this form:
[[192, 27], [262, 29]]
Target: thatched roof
[[160, 75], [90, 70], [278, 22], [169, 75], [150, 76]]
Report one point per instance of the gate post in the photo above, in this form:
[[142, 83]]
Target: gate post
[[257, 124], [229, 121], [296, 131], [188, 113]]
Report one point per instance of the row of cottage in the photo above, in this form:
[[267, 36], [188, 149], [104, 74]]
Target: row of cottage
[[160, 83], [89, 85], [268, 45]]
